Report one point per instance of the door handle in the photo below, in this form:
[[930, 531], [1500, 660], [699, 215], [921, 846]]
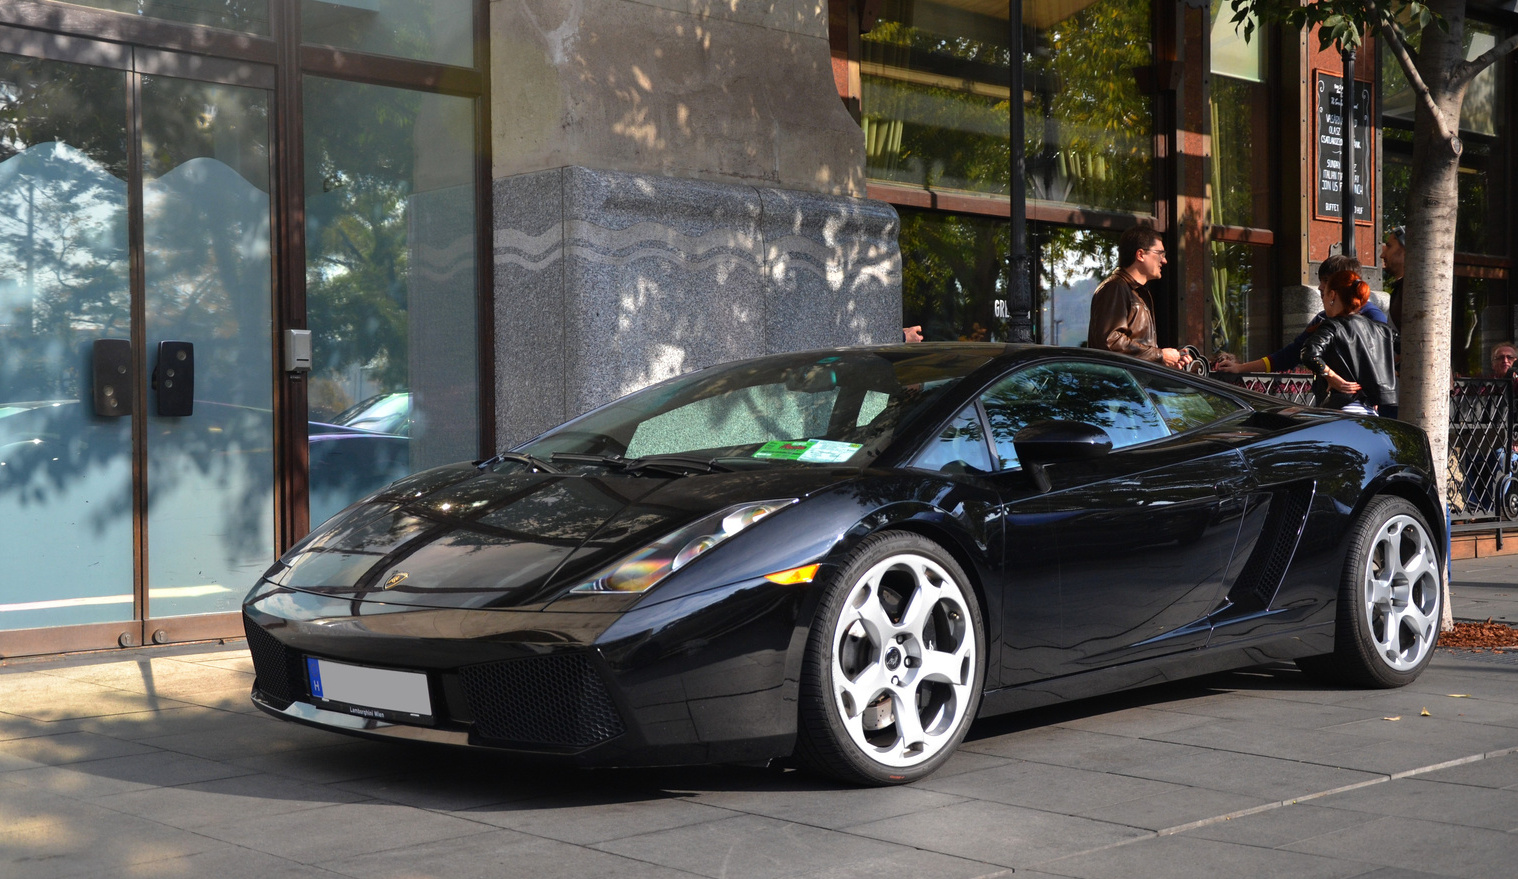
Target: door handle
[[111, 377], [174, 378]]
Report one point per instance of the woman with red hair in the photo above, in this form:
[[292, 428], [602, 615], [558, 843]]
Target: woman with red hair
[[1352, 356]]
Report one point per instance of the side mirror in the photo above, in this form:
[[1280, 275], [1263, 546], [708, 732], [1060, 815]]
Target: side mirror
[[1049, 442]]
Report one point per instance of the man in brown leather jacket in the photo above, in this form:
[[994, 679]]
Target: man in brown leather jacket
[[1122, 314]]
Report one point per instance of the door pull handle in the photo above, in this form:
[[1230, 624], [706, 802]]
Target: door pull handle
[[174, 379], [111, 377]]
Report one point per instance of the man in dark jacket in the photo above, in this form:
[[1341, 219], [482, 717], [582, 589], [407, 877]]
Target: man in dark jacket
[[1122, 314]]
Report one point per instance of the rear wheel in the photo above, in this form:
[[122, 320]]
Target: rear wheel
[[1388, 613], [894, 664]]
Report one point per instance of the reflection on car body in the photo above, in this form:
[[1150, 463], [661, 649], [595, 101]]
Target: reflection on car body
[[845, 556]]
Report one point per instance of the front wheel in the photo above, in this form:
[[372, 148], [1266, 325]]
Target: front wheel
[[1389, 599], [894, 664]]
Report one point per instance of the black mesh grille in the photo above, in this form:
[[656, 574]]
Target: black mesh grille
[[271, 663], [542, 700], [1278, 541]]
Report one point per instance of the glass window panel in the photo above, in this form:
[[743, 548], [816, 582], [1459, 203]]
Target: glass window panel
[[1088, 126], [1182, 406], [935, 95], [1483, 319], [247, 16], [955, 275], [65, 474], [1240, 308], [1240, 161], [436, 30], [730, 420], [1069, 264], [1231, 54], [1482, 110], [1091, 393], [390, 283], [1482, 218], [961, 448]]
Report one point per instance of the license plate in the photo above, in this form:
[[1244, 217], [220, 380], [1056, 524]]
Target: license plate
[[382, 693]]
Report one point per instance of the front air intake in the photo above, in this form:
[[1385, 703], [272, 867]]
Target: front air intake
[[272, 665], [549, 701]]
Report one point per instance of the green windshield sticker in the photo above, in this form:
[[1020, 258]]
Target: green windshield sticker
[[810, 451], [783, 450]]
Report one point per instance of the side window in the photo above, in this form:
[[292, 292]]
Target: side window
[[1093, 393], [961, 448], [1184, 407]]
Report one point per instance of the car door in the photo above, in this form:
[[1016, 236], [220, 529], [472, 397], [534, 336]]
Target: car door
[[1128, 551]]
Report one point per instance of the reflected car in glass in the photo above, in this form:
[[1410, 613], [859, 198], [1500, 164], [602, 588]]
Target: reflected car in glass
[[844, 557]]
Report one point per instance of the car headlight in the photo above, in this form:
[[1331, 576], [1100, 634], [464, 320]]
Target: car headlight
[[643, 569]]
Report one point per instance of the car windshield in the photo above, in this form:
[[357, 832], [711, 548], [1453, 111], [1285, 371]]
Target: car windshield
[[814, 408]]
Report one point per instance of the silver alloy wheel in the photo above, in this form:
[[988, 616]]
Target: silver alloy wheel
[[1401, 589], [903, 661]]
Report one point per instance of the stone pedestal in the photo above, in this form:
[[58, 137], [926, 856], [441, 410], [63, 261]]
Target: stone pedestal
[[606, 282], [1299, 305]]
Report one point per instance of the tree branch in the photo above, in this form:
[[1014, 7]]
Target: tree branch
[[1393, 35], [1466, 71]]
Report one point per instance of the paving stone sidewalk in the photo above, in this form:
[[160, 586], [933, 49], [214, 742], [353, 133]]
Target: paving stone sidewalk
[[153, 763]]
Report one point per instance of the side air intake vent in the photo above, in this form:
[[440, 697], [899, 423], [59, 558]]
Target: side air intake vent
[[557, 701], [1278, 542]]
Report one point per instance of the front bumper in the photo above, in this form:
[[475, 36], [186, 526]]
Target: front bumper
[[710, 677]]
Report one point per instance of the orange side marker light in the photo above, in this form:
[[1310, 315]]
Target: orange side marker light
[[793, 576]]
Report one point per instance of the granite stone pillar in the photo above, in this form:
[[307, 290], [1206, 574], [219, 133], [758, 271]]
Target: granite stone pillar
[[676, 184]]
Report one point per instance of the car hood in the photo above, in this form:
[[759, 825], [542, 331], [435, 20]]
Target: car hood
[[461, 538]]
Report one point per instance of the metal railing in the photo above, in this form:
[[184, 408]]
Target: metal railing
[[1482, 479]]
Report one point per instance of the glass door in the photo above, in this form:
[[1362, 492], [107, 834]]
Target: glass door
[[136, 338], [208, 332]]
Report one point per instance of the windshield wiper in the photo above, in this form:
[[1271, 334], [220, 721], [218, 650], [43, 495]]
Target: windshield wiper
[[532, 461], [677, 463], [672, 464], [615, 461]]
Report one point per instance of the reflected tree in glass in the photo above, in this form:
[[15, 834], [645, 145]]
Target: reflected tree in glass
[[936, 100], [954, 268], [247, 16], [1088, 125], [1071, 264]]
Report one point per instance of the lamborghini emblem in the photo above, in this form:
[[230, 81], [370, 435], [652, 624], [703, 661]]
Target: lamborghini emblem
[[396, 579]]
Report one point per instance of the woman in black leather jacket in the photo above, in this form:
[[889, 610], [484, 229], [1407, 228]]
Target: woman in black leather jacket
[[1352, 356]]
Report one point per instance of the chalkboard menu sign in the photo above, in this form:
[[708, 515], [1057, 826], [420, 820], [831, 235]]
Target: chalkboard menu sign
[[1329, 131]]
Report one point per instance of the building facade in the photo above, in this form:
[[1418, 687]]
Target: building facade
[[259, 257], [1155, 111]]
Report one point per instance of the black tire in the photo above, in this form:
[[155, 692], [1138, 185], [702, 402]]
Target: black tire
[[897, 624], [1387, 621]]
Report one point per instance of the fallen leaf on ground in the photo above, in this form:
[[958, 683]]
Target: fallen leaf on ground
[[1478, 635], [1425, 713], [1398, 717]]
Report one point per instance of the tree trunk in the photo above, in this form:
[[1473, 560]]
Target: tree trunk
[[1429, 277]]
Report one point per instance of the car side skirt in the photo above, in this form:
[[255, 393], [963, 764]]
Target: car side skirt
[[1310, 641]]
